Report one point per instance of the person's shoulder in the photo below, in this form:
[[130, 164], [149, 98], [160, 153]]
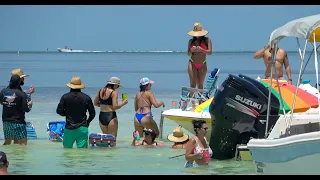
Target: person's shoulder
[[66, 95], [149, 93], [4, 89], [192, 140], [17, 92], [282, 51], [85, 95]]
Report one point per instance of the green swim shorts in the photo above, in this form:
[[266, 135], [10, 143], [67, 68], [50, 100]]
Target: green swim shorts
[[80, 136]]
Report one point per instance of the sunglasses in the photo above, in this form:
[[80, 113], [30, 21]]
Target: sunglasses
[[148, 131], [206, 128]]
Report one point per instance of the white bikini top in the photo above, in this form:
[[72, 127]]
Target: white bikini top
[[198, 149]]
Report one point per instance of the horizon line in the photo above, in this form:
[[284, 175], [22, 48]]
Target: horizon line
[[131, 51]]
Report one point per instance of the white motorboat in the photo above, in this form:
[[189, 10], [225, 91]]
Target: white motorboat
[[293, 145], [70, 50]]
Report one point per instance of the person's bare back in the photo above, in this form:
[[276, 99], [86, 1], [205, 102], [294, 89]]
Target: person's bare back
[[281, 60]]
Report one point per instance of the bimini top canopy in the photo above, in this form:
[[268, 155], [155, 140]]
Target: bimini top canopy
[[300, 28]]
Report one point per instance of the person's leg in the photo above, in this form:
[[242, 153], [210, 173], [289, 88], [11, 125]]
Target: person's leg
[[8, 133], [20, 131], [193, 79], [113, 127], [137, 126], [82, 134], [68, 138], [201, 74], [15, 140], [103, 122]]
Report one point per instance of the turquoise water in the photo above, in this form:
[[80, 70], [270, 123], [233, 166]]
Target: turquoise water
[[49, 72]]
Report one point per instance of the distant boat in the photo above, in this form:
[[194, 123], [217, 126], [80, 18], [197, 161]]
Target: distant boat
[[67, 49]]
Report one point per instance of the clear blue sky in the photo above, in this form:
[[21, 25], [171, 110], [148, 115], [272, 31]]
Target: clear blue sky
[[231, 28]]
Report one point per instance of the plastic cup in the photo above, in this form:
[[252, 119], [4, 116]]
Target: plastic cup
[[174, 104], [184, 105], [206, 156]]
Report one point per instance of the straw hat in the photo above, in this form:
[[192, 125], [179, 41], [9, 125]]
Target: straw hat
[[178, 135], [115, 80], [197, 30], [76, 83], [18, 72]]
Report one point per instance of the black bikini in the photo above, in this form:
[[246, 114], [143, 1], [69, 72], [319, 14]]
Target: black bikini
[[106, 117]]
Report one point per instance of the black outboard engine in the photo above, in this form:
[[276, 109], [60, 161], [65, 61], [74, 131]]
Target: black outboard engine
[[239, 112]]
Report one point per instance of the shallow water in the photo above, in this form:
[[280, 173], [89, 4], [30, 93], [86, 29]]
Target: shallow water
[[44, 157], [49, 72]]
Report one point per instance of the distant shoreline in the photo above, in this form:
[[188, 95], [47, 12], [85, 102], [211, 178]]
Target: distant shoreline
[[155, 51]]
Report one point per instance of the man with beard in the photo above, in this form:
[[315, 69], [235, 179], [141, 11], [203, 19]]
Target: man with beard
[[15, 105], [20, 73]]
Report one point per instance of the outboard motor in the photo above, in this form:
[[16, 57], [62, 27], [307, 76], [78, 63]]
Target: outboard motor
[[238, 112]]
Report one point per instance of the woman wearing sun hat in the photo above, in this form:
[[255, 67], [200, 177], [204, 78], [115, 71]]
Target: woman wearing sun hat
[[179, 138], [142, 105], [198, 48], [107, 100]]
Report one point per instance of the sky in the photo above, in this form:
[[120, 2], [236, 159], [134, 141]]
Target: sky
[[143, 28]]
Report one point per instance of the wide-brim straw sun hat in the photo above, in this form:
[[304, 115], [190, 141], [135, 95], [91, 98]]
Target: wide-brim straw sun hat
[[178, 135], [76, 83], [197, 30]]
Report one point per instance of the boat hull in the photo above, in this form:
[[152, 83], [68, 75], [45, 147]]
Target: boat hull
[[69, 50], [297, 154], [185, 118]]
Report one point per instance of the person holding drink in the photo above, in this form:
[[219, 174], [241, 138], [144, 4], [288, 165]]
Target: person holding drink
[[149, 139], [107, 100], [198, 152], [142, 105], [31, 90]]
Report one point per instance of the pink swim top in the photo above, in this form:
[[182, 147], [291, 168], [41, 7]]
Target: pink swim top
[[202, 45]]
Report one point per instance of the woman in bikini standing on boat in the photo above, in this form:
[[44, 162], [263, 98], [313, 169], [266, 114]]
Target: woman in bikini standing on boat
[[198, 48]]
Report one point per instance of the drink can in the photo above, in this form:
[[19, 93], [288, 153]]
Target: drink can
[[124, 96]]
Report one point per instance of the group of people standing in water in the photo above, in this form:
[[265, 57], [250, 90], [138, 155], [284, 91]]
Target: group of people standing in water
[[75, 104]]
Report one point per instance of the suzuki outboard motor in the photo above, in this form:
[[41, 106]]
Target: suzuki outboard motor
[[238, 112]]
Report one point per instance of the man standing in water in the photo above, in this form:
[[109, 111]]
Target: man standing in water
[[74, 106], [4, 164], [15, 105], [281, 60], [20, 73]]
